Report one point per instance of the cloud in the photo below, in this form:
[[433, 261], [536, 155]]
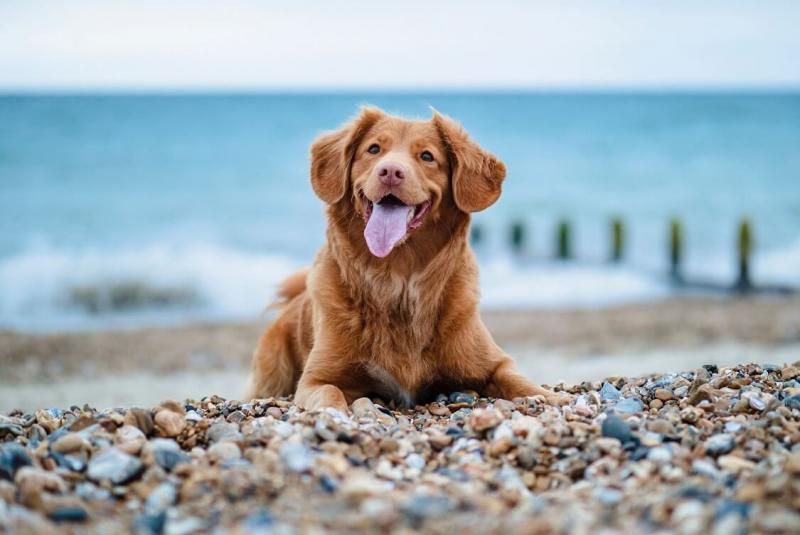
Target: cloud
[[398, 45]]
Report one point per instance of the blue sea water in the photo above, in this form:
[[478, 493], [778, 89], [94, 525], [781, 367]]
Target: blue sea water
[[119, 210]]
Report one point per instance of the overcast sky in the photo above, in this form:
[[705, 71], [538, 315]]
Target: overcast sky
[[142, 44]]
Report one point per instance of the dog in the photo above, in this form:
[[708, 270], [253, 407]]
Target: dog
[[390, 306]]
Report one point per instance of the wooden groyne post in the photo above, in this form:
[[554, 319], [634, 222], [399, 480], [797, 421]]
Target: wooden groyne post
[[744, 249], [564, 240], [675, 249], [475, 234], [617, 239], [517, 237]]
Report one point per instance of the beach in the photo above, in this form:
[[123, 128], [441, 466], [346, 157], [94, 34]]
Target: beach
[[715, 449], [107, 368]]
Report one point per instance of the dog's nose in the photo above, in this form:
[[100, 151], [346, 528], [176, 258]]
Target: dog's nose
[[391, 174]]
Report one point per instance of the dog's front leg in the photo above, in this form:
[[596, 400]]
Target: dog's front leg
[[322, 382], [508, 383]]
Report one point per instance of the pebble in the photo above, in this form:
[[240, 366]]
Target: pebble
[[484, 419], [298, 457], [68, 443], [12, 457], [609, 392], [226, 451], [720, 444], [160, 498], [223, 431], [113, 465], [169, 423], [614, 427], [164, 452], [629, 406]]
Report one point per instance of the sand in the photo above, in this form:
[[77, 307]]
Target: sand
[[143, 366]]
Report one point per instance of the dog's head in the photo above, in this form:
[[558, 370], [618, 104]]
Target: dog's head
[[402, 176]]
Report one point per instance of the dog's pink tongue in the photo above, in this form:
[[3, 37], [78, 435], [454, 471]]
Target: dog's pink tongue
[[386, 227]]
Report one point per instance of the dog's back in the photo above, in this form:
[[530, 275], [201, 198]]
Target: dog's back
[[277, 362]]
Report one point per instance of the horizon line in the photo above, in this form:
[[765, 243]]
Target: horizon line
[[349, 90]]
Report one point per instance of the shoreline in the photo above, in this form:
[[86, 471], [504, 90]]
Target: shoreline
[[142, 366]]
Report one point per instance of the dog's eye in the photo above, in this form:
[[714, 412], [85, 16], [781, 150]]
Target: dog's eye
[[374, 148], [426, 156]]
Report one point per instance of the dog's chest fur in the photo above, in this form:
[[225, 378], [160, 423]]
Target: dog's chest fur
[[398, 332]]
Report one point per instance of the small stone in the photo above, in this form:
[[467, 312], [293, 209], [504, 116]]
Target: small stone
[[298, 457], [732, 463], [439, 440], [68, 443], [225, 451], [113, 465], [422, 506], [789, 373], [702, 393], [661, 426], [614, 427], [365, 408], [32, 480], [793, 402], [484, 419], [12, 457], [660, 454], [49, 419], [173, 406], [150, 524], [415, 461], [169, 424], [160, 498], [629, 406], [236, 417], [720, 444], [164, 452], [663, 394], [130, 439], [12, 430], [457, 398], [69, 514], [609, 392], [223, 431], [193, 416], [141, 419], [656, 404]]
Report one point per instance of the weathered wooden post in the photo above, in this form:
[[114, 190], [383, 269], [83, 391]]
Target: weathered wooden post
[[744, 248], [675, 249], [475, 234], [517, 237], [617, 239], [564, 240]]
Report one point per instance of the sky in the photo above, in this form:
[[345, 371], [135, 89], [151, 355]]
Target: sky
[[447, 44]]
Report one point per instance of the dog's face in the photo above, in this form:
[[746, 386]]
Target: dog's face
[[400, 175]]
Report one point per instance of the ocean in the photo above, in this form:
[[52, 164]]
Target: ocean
[[120, 211]]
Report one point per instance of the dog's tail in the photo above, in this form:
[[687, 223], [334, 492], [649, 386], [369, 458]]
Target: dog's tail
[[291, 287]]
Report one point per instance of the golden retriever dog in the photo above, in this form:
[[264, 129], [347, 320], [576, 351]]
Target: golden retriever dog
[[390, 306]]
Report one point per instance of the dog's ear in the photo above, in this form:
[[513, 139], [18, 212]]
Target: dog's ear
[[477, 176], [332, 155]]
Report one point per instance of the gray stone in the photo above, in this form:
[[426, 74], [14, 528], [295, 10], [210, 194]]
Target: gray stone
[[609, 392], [161, 498], [298, 457], [629, 406], [223, 431], [114, 465], [614, 427], [720, 444]]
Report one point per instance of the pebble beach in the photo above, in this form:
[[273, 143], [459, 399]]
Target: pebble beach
[[709, 450]]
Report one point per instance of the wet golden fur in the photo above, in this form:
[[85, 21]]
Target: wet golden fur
[[404, 327]]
